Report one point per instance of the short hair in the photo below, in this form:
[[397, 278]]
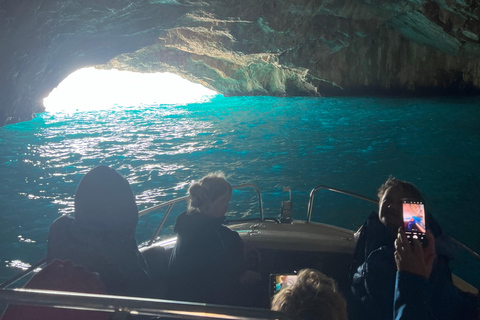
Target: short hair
[[204, 193], [313, 296], [407, 187]]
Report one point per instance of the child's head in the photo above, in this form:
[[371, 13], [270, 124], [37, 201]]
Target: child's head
[[313, 296], [210, 196]]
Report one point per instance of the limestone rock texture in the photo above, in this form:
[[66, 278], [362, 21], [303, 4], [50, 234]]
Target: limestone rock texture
[[243, 47]]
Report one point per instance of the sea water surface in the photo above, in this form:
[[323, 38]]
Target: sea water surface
[[348, 143]]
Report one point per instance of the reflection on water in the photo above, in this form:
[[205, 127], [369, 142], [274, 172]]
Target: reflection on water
[[350, 143]]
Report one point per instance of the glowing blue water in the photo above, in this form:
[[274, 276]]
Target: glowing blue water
[[351, 143]]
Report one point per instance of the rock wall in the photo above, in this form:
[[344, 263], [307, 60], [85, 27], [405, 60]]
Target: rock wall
[[243, 47], [44, 41]]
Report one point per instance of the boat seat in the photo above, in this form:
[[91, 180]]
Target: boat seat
[[62, 276], [157, 258]]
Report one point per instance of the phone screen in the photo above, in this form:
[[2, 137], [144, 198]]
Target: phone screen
[[414, 219], [280, 281]]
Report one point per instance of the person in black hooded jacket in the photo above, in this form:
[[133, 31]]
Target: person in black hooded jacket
[[208, 258], [101, 236]]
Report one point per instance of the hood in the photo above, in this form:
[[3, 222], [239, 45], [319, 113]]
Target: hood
[[104, 200]]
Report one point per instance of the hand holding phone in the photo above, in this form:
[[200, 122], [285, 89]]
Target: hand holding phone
[[414, 220], [280, 281], [413, 258]]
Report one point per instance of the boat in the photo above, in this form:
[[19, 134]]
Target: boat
[[284, 244]]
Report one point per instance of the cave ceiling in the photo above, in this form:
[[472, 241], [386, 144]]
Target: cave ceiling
[[243, 47]]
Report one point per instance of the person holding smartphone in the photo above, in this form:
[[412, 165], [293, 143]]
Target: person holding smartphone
[[415, 293], [374, 269]]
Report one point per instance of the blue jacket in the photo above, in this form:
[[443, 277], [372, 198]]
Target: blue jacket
[[416, 298], [412, 297]]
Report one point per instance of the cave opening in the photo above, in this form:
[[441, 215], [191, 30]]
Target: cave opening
[[91, 89]]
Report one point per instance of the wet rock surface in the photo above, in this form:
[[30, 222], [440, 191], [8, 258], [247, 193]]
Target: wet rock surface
[[243, 47]]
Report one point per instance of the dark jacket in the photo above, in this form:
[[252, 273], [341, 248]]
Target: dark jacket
[[412, 297], [415, 297], [374, 272], [101, 237], [115, 258], [206, 262]]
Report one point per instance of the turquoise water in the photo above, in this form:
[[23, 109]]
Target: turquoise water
[[350, 143]]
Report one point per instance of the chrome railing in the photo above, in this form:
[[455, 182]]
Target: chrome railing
[[133, 305], [171, 203], [323, 187], [459, 244]]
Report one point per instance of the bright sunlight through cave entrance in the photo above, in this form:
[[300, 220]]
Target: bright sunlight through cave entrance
[[92, 89]]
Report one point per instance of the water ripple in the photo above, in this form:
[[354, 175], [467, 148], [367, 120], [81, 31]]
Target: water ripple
[[352, 143]]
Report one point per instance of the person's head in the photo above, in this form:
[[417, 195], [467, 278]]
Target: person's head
[[210, 196], [390, 195], [105, 200], [313, 296]]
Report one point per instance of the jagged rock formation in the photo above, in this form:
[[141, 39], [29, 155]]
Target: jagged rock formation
[[243, 47]]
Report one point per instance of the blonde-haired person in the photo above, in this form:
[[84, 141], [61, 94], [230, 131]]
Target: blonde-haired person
[[208, 258], [313, 296], [210, 196]]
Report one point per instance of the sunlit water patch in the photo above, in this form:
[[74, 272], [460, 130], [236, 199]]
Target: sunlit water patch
[[350, 143]]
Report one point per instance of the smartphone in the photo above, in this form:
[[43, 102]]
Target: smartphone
[[414, 220], [281, 280]]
